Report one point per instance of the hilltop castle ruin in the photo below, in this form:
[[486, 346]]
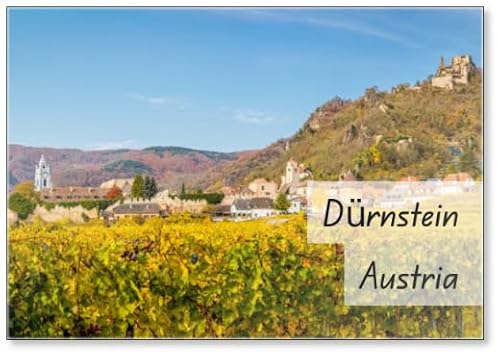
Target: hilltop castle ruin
[[457, 73]]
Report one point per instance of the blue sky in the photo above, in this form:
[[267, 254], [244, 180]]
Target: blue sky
[[210, 79]]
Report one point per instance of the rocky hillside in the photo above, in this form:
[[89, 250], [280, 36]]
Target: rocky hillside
[[170, 165], [420, 131]]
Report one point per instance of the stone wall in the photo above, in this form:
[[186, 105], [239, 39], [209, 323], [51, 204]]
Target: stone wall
[[443, 82], [176, 205], [74, 214]]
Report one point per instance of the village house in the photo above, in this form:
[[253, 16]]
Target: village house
[[293, 184], [462, 177], [227, 190], [409, 179], [297, 204], [410, 190], [252, 208], [457, 182], [263, 188], [257, 199], [144, 210], [231, 194], [167, 203], [73, 194], [371, 194], [221, 212]]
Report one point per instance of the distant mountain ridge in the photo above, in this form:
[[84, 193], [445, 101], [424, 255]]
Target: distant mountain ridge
[[171, 165], [159, 150]]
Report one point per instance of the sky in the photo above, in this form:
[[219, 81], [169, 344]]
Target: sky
[[214, 79]]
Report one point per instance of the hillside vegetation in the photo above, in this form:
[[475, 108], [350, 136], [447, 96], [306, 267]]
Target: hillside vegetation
[[425, 132]]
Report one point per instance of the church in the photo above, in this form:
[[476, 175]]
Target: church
[[42, 175]]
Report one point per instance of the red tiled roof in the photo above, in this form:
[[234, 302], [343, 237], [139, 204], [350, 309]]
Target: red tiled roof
[[459, 177], [409, 179]]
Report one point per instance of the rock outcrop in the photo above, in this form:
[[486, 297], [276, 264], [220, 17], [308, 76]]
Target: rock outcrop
[[350, 134]]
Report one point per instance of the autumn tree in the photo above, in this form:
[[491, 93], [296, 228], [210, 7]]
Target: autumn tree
[[27, 189], [115, 193]]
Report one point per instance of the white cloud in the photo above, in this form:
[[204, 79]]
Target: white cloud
[[113, 145], [343, 24], [253, 117], [361, 29], [148, 99], [179, 103]]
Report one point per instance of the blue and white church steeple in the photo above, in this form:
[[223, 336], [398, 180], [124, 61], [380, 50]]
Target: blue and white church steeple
[[42, 175]]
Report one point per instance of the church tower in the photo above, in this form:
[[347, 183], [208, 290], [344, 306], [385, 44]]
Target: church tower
[[42, 175]]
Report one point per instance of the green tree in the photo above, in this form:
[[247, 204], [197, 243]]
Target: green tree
[[281, 203], [146, 189], [183, 189], [137, 190], [150, 188], [154, 187], [468, 163], [211, 198], [22, 205]]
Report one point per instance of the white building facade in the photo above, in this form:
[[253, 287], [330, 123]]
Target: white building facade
[[42, 175]]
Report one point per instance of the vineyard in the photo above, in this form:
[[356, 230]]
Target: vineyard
[[194, 278]]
